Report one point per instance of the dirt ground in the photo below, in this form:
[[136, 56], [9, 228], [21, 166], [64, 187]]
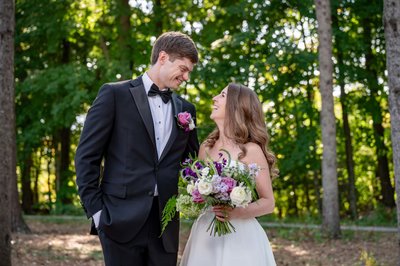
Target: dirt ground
[[67, 242]]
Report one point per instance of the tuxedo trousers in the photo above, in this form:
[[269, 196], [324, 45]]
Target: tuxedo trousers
[[146, 249]]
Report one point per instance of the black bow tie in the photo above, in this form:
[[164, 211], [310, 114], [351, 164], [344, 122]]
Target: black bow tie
[[165, 95]]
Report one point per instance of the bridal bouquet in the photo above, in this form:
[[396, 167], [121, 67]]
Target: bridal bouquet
[[205, 183]]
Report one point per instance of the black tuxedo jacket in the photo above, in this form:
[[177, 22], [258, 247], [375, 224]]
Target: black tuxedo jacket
[[119, 129]]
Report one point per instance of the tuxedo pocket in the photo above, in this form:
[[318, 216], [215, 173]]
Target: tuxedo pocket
[[115, 190]]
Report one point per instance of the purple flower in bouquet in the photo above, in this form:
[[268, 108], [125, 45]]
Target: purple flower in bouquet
[[253, 169], [222, 186], [196, 196], [187, 162], [199, 166], [219, 166], [223, 196], [229, 182], [189, 174]]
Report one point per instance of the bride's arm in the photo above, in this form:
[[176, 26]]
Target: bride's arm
[[202, 152], [266, 202]]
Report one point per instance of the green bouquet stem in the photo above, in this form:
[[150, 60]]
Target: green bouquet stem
[[218, 228]]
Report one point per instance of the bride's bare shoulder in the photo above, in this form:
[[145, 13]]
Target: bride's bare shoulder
[[254, 153], [253, 147], [204, 151]]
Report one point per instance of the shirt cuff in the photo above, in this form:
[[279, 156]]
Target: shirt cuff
[[96, 218]]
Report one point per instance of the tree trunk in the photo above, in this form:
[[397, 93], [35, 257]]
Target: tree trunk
[[307, 193], [294, 199], [7, 126], [49, 183], [17, 221], [63, 161], [351, 184], [158, 11], [392, 35], [331, 225], [317, 188], [374, 107], [312, 115], [316, 177], [352, 192], [36, 174], [124, 37], [102, 24], [27, 193], [62, 139]]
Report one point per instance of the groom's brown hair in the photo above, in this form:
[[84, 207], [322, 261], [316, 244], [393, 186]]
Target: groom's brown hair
[[176, 45]]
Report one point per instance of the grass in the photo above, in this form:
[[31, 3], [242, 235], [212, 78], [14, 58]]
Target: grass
[[64, 240], [380, 216]]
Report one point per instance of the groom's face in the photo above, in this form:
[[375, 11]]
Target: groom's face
[[173, 72]]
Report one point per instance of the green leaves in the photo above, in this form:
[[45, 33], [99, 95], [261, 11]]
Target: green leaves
[[65, 50], [168, 213]]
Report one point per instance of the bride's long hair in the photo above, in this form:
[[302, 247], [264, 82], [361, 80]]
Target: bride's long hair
[[244, 122]]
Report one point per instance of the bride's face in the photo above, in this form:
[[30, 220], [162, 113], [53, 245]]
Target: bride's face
[[219, 102]]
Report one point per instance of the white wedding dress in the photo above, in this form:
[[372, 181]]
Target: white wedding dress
[[248, 246]]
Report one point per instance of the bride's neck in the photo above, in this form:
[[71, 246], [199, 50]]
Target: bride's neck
[[224, 142]]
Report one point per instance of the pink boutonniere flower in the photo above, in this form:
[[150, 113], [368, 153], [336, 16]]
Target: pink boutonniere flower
[[185, 121]]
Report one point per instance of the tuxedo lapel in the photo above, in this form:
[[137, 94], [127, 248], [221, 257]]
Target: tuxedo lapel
[[176, 109], [139, 96]]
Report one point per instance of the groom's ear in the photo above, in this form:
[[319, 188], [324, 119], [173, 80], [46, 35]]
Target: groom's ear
[[162, 57]]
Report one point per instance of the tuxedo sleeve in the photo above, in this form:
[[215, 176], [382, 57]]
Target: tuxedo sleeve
[[92, 146]]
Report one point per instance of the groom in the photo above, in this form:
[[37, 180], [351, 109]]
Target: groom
[[132, 129]]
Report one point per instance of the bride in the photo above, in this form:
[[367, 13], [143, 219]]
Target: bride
[[241, 130]]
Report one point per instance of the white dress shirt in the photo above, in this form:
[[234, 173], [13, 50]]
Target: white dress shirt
[[162, 118]]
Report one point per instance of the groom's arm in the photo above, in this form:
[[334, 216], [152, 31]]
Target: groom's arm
[[92, 145]]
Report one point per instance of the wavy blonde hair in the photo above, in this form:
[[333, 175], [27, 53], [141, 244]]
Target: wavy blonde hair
[[244, 123]]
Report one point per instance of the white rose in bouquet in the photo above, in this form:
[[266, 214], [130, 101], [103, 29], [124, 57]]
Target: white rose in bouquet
[[204, 187], [240, 196], [190, 187], [205, 171]]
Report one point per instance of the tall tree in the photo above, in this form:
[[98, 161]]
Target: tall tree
[[62, 137], [331, 224], [391, 21], [373, 106], [7, 126], [339, 45], [125, 51]]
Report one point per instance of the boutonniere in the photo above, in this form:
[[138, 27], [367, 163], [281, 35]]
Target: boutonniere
[[185, 121]]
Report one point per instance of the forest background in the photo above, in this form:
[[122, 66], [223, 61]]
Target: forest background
[[65, 50]]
